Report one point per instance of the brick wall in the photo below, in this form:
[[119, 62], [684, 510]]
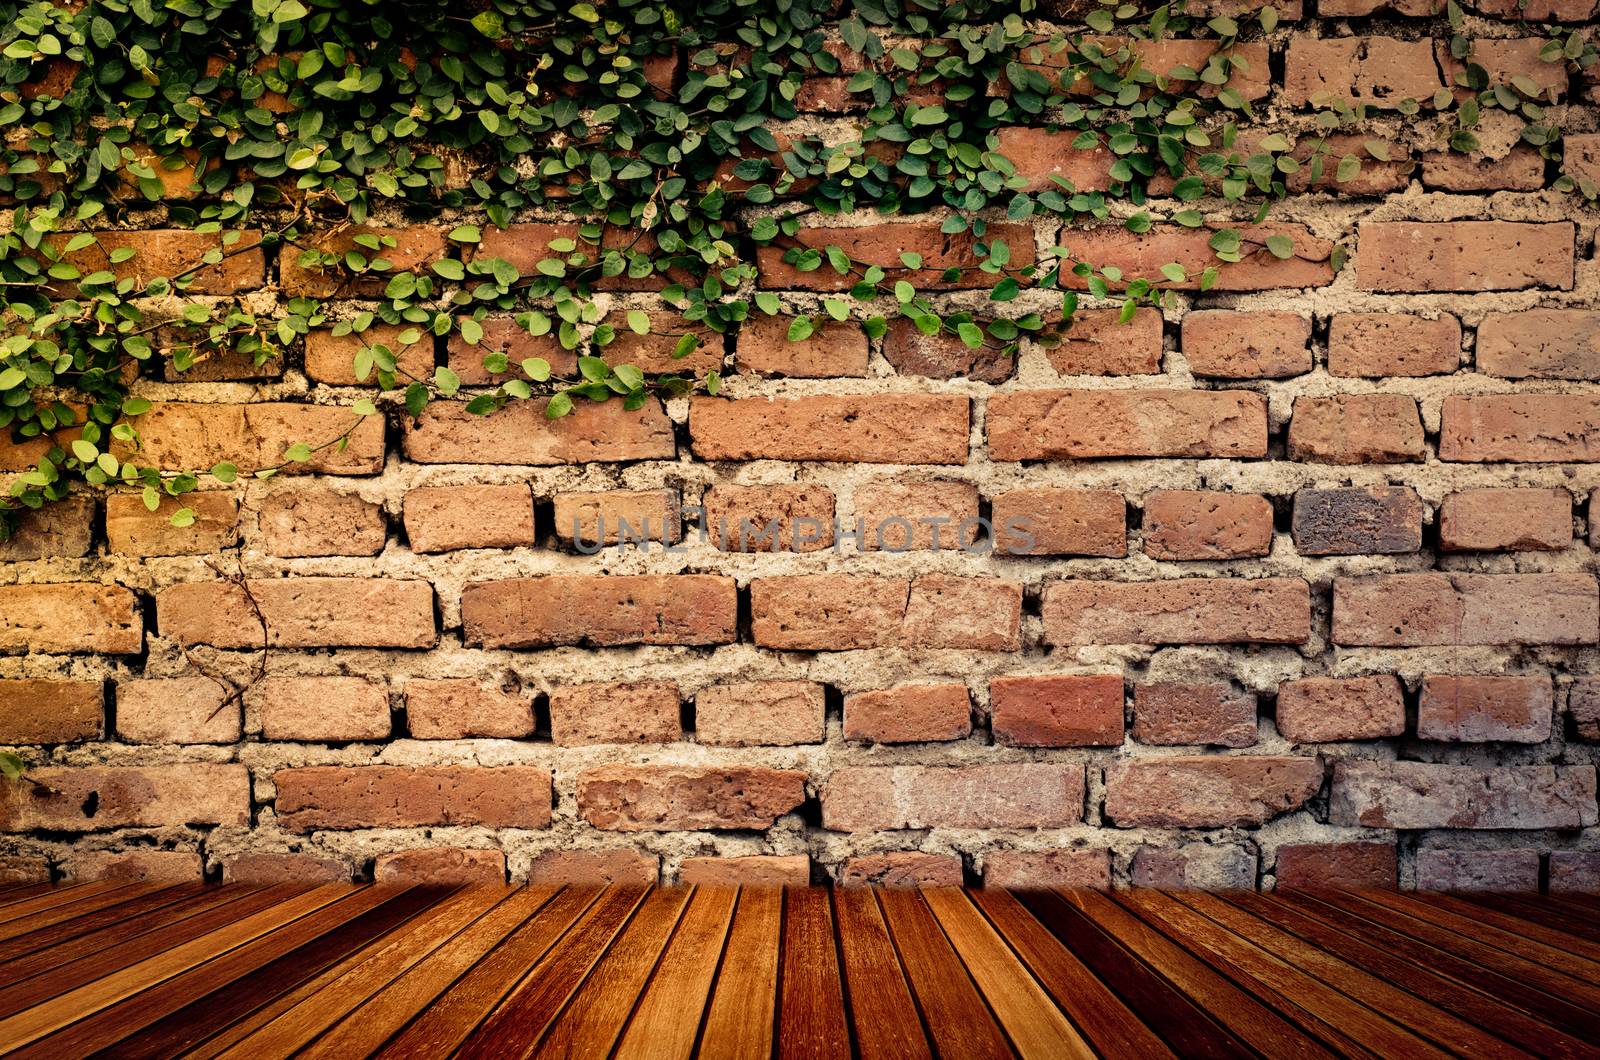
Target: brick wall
[[1307, 590]]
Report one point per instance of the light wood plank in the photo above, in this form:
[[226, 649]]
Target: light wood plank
[[957, 1019], [883, 1014], [744, 1002], [667, 1020]]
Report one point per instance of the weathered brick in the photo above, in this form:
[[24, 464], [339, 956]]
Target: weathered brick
[[1337, 866], [319, 521], [790, 517], [761, 713], [1540, 344], [908, 714], [1580, 155], [1478, 870], [446, 518], [441, 867], [309, 612], [1424, 795], [1520, 170], [978, 614], [1356, 8], [1055, 521], [60, 528], [1209, 792], [331, 358], [133, 866], [1574, 872], [668, 798], [525, 245], [1045, 158], [101, 798], [1077, 868], [1356, 520], [827, 612], [1141, 256], [653, 352], [1178, 611], [1099, 342], [1520, 427], [167, 252], [267, 869], [902, 868], [876, 798], [834, 349], [594, 868], [70, 617], [1237, 345], [1195, 867], [901, 516], [1386, 344], [1206, 524], [18, 869], [415, 248], [323, 708], [882, 429], [943, 355], [1064, 710], [1583, 704], [182, 436], [1252, 78], [882, 245], [1506, 520], [134, 530], [1480, 709], [1464, 255], [756, 870], [1168, 713], [457, 708], [179, 710], [1409, 610], [1356, 429], [502, 334], [1325, 709], [521, 433], [560, 609], [1504, 58], [615, 712], [313, 798], [1377, 71], [45, 710], [1082, 424], [610, 516]]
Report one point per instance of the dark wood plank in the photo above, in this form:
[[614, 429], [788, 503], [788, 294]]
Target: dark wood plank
[[1533, 909], [812, 1021], [53, 898], [1111, 1026], [70, 906], [744, 1000], [24, 891], [67, 941], [1559, 949], [666, 1022], [883, 1014], [957, 1018]]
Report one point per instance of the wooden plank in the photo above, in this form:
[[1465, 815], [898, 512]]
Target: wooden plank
[[68, 904], [666, 1022], [883, 1014], [1111, 1026], [812, 1021], [597, 1013], [523, 1014], [1466, 1000], [957, 1018], [22, 892], [439, 982], [53, 897], [1036, 1027], [1556, 949], [72, 939], [744, 1000], [1517, 909], [1246, 1017]]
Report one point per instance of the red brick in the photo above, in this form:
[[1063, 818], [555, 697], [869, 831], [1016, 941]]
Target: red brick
[[1354, 520], [1388, 344], [309, 612], [899, 515], [331, 358], [1209, 792], [1356, 429], [164, 866], [182, 710], [1195, 867], [1504, 58], [1377, 71], [761, 713], [610, 516], [1206, 524], [795, 517], [1099, 342], [1464, 255], [1481, 709], [1580, 154], [1540, 344], [134, 530], [446, 518], [1064, 710], [1520, 170], [524, 245], [1043, 155], [827, 612], [314, 798], [1168, 713], [166, 252], [1376, 177], [943, 355], [1080, 424], [977, 614], [70, 617], [1324, 709], [182, 436], [267, 869], [668, 798], [1478, 870], [1053, 521], [415, 248], [441, 867], [521, 434], [882, 245], [908, 714], [1337, 866], [561, 609], [1574, 872], [1178, 611], [593, 868], [1509, 520], [1350, 8], [652, 352], [1411, 610], [42, 711], [1521, 427], [1141, 256], [615, 712], [1251, 78], [323, 708], [318, 521], [1424, 795], [101, 798], [457, 708], [879, 798], [759, 870], [60, 528], [504, 335], [881, 429], [1583, 704], [1078, 868], [1235, 345], [902, 868], [833, 349]]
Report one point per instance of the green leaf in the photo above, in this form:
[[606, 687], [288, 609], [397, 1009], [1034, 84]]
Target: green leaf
[[226, 472], [800, 329], [1280, 246], [298, 453], [639, 321], [84, 451], [559, 405], [970, 334], [182, 517]]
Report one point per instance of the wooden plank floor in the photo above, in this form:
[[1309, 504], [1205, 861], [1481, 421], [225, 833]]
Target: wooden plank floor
[[140, 969]]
